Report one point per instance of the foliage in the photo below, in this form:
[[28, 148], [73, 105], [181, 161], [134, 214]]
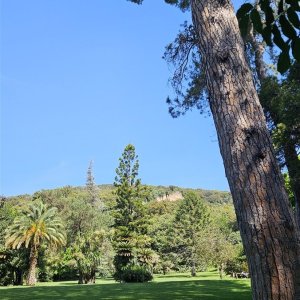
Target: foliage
[[90, 250], [12, 262], [136, 273], [191, 219], [81, 220], [130, 226], [278, 23], [281, 102], [237, 265], [36, 225]]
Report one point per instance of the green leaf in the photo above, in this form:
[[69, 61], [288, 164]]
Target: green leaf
[[267, 35], [277, 39], [244, 25], [295, 5], [243, 10], [286, 27], [280, 7], [296, 49], [293, 17], [256, 20], [266, 7], [284, 61]]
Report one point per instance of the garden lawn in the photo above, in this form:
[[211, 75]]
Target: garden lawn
[[205, 286]]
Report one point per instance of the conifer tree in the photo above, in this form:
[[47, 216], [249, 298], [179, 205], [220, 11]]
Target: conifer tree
[[91, 186], [131, 238]]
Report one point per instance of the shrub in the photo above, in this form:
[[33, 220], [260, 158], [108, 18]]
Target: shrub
[[136, 273]]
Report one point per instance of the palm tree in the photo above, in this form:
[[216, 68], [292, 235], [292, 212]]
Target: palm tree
[[37, 224]]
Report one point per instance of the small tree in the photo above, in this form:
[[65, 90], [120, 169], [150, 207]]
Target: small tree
[[130, 215], [89, 250], [37, 224]]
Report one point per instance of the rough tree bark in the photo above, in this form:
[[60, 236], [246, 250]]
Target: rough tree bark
[[264, 215], [31, 277], [290, 153]]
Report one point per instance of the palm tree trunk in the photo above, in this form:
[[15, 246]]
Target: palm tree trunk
[[31, 277], [265, 219]]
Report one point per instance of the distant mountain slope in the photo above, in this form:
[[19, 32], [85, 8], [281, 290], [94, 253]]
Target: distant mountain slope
[[157, 193]]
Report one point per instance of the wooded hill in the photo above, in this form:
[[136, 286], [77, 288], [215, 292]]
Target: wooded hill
[[158, 235], [157, 193]]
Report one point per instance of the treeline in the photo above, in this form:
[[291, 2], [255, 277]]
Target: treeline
[[129, 231]]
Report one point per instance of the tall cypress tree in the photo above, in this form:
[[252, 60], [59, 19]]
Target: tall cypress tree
[[130, 215]]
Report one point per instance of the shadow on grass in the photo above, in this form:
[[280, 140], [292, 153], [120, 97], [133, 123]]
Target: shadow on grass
[[183, 275], [179, 290], [175, 276]]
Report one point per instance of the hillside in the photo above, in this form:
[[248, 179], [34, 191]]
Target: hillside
[[157, 193]]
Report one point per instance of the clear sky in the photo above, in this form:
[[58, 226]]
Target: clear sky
[[82, 79]]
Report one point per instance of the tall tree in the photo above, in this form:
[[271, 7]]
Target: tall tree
[[191, 220], [280, 100], [88, 231], [91, 186], [131, 238], [38, 224], [266, 222]]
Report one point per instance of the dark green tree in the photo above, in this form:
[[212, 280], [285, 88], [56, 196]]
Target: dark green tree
[[90, 251], [191, 220], [281, 103], [13, 263], [131, 224], [277, 22], [88, 230]]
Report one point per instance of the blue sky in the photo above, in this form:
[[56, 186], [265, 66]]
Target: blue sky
[[82, 79]]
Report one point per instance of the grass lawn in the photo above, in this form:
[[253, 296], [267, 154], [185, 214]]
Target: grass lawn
[[205, 286]]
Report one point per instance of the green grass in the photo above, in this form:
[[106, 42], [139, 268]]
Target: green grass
[[205, 286]]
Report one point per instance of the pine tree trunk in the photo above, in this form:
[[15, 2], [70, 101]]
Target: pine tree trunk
[[31, 277], [263, 212], [290, 154]]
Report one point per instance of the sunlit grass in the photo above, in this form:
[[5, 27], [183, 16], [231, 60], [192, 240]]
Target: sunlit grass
[[206, 285]]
